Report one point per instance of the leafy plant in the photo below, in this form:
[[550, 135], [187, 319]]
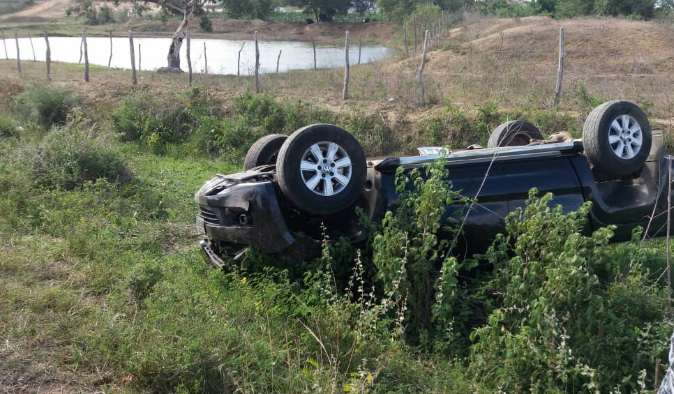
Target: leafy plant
[[68, 157], [406, 249], [568, 310], [8, 127], [49, 106]]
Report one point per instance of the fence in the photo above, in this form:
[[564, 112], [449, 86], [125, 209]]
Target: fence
[[433, 36]]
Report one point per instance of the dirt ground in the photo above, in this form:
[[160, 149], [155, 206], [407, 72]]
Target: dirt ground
[[51, 13]]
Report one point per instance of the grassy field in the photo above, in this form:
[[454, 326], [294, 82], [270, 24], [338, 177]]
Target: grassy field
[[103, 287]]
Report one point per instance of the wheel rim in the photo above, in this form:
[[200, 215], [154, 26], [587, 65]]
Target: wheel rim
[[326, 168], [625, 137]]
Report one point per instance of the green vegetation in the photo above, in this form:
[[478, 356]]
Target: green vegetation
[[194, 120], [459, 128], [47, 106], [103, 286], [10, 7], [68, 157]]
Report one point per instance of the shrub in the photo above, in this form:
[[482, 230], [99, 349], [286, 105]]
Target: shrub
[[456, 128], [256, 115], [68, 157], [105, 15], [205, 24], [406, 248], [161, 121], [7, 127], [49, 106], [569, 311]]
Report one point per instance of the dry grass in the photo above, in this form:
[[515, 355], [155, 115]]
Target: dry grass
[[508, 61]]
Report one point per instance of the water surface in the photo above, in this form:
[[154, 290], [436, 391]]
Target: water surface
[[222, 54]]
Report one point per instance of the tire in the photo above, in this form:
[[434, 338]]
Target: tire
[[612, 150], [514, 133], [264, 151], [338, 185]]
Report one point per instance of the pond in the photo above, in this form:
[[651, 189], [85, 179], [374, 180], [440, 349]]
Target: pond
[[222, 54]]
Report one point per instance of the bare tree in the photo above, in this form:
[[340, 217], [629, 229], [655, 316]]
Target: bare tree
[[173, 57], [186, 8]]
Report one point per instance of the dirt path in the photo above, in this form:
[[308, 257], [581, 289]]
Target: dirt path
[[49, 9]]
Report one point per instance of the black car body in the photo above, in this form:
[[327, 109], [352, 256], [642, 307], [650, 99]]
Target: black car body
[[248, 209]]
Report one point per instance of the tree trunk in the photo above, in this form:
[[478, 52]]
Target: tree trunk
[[173, 57]]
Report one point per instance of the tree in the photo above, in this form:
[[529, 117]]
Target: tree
[[401, 9], [249, 9], [186, 8], [643, 8], [318, 7]]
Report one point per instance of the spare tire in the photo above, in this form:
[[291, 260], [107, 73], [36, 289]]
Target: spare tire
[[514, 133], [321, 169], [617, 138], [264, 151]]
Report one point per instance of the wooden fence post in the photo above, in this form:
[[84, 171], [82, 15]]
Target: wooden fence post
[[423, 64], [81, 51], [110, 58], [657, 375], [345, 92], [560, 70], [30, 37], [414, 27], [278, 60], [18, 57], [189, 59], [133, 59], [407, 49], [313, 43], [360, 47], [86, 55], [4, 43], [205, 60], [140, 59], [238, 61], [257, 65], [669, 224], [47, 54]]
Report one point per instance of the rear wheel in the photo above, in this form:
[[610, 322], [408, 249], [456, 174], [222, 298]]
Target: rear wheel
[[617, 138], [321, 169], [264, 151], [514, 133]]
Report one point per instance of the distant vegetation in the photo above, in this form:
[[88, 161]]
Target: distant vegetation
[[8, 7]]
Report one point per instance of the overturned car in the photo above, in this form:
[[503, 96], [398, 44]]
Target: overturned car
[[296, 190]]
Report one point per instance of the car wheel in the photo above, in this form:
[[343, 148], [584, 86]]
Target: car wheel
[[617, 138], [514, 133], [321, 169], [264, 151]]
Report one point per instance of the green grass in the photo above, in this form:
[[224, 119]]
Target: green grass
[[103, 286]]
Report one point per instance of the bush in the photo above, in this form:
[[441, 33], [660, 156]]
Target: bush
[[251, 9], [205, 24], [105, 15], [458, 129], [49, 106], [569, 311], [158, 122], [407, 248], [68, 157], [7, 127], [256, 115]]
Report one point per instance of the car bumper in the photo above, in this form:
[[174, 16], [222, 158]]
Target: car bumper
[[242, 213]]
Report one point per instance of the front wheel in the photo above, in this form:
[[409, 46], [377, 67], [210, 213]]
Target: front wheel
[[321, 169]]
